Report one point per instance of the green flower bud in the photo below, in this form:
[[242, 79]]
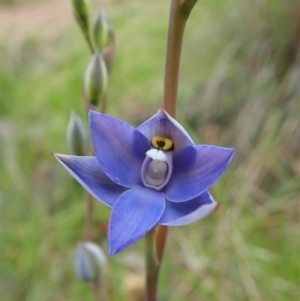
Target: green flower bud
[[102, 30], [81, 13], [109, 55], [77, 136], [89, 261], [95, 79]]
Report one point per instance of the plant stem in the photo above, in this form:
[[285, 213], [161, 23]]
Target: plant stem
[[161, 237], [89, 230], [88, 40], [96, 291], [152, 266], [89, 233], [89, 198], [103, 105], [83, 24], [179, 13]]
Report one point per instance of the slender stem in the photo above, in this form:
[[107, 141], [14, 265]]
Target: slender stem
[[179, 13], [96, 290], [155, 243], [88, 40], [89, 233], [152, 266], [89, 198], [103, 105], [89, 226], [161, 237], [83, 24]]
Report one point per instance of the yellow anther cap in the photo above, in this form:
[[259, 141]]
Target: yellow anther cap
[[162, 143]]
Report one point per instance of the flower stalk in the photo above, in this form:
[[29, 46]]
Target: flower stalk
[[88, 40], [179, 14], [89, 227], [152, 266], [103, 28], [99, 105], [81, 13]]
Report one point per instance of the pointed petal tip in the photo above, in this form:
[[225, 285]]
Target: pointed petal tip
[[92, 113], [62, 158], [114, 251], [232, 152], [161, 109], [57, 156]]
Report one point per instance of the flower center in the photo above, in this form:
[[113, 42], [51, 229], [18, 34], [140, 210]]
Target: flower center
[[156, 173], [157, 166]]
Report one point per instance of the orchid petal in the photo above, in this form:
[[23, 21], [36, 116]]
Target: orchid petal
[[87, 171], [178, 214], [133, 215], [195, 169], [119, 147], [162, 124]]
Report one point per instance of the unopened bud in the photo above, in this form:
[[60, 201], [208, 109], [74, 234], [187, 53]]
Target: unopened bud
[[77, 136], [81, 13], [109, 55], [102, 30], [89, 261], [95, 79]]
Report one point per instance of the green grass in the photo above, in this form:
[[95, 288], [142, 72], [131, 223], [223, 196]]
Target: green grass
[[238, 87]]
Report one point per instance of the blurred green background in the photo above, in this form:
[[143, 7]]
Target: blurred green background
[[239, 87]]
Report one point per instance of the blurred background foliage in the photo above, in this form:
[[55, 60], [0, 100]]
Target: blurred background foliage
[[239, 87]]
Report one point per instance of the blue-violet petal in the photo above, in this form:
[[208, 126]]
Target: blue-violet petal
[[87, 171], [162, 124], [133, 215], [195, 170], [119, 147], [178, 214]]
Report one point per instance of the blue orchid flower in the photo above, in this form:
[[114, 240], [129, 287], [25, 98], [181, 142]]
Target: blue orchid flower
[[152, 174]]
